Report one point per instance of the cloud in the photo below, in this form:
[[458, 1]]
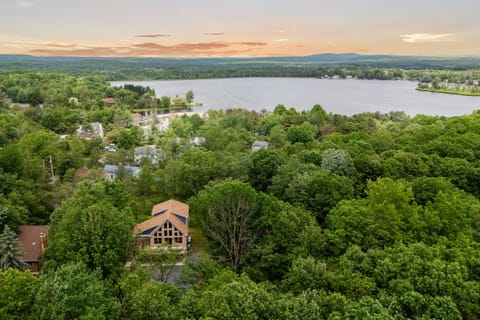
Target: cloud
[[23, 4], [214, 33], [155, 35], [251, 43], [198, 49], [16, 4], [428, 37], [281, 40], [280, 31], [22, 43], [61, 45]]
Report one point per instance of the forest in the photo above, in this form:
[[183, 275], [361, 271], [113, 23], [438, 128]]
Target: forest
[[370, 216], [381, 67]]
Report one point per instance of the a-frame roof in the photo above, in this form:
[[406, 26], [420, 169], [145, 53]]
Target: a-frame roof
[[172, 210], [156, 221], [171, 206]]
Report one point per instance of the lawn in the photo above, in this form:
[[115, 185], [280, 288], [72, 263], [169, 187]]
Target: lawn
[[199, 243]]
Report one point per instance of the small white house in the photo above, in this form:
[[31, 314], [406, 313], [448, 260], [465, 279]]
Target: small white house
[[152, 153], [111, 171], [197, 141], [96, 129], [257, 145]]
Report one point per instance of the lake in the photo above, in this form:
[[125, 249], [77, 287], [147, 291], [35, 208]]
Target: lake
[[346, 97]]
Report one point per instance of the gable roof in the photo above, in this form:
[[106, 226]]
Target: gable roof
[[30, 239], [131, 170], [152, 223], [257, 145], [172, 210], [146, 151], [171, 206]]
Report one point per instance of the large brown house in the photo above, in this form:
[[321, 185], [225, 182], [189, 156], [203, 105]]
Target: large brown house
[[33, 240], [168, 225]]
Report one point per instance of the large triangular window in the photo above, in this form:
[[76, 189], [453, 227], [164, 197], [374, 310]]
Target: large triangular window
[[168, 233]]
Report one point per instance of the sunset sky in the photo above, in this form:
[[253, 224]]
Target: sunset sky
[[205, 28]]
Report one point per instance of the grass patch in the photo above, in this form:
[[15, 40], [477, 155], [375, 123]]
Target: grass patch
[[451, 91], [199, 243]]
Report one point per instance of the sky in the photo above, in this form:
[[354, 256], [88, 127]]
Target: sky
[[246, 28]]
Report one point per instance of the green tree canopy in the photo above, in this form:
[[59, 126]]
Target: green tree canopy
[[74, 292], [94, 226], [228, 212], [17, 293]]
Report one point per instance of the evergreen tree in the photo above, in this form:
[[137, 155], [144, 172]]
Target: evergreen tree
[[10, 250]]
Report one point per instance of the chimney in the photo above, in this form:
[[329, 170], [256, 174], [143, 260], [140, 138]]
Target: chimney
[[43, 241]]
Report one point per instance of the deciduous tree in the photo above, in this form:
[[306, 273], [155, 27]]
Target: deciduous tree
[[17, 294], [74, 292], [95, 226], [228, 211]]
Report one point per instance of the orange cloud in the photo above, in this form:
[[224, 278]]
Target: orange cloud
[[150, 49], [428, 37], [155, 35], [252, 43], [214, 33]]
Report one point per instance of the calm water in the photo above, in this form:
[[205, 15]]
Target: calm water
[[337, 96]]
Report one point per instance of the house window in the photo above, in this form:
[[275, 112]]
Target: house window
[[157, 237], [167, 233]]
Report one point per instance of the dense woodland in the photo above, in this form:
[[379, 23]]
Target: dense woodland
[[373, 216], [382, 67]]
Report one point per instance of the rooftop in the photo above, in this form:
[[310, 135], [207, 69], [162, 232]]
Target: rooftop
[[172, 206], [30, 239], [110, 168]]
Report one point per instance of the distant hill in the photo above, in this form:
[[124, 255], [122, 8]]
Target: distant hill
[[330, 58]]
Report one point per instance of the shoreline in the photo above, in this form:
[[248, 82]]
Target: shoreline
[[459, 93]]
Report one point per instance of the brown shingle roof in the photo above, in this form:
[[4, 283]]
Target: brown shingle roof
[[29, 237], [109, 100], [160, 220], [170, 210], [171, 206]]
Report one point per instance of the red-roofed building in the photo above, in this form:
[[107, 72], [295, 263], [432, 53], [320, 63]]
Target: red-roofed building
[[33, 240], [168, 225], [108, 101]]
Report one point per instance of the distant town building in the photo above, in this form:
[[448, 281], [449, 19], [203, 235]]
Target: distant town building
[[73, 100], [257, 145], [112, 171], [163, 124], [110, 148], [108, 101], [139, 120], [151, 153], [198, 141], [94, 129]]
